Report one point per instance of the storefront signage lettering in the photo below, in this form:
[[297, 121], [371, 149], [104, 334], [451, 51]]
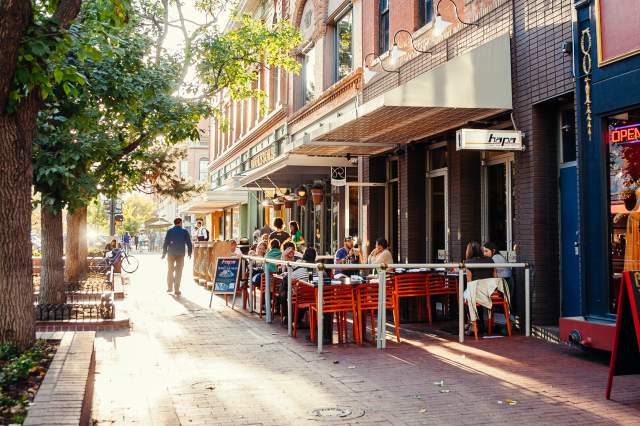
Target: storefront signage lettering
[[625, 134], [261, 158], [489, 140], [585, 49]]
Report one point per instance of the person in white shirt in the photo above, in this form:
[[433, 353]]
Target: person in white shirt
[[381, 253], [202, 233]]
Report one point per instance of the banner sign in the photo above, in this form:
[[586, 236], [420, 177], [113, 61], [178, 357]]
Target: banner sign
[[625, 356], [489, 140], [338, 176]]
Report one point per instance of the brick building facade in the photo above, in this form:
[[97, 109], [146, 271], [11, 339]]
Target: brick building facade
[[411, 150]]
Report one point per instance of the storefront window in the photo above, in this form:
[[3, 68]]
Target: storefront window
[[497, 204], [623, 140], [438, 158], [354, 209]]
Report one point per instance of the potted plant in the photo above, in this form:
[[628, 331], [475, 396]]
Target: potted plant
[[301, 192], [317, 192]]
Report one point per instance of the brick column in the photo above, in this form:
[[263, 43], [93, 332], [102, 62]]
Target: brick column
[[465, 218]]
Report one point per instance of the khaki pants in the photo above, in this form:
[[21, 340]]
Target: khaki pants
[[174, 273]]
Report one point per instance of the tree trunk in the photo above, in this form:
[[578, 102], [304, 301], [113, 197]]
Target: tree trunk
[[17, 316], [83, 249], [52, 274], [76, 248]]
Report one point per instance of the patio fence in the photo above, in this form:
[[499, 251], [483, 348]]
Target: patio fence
[[323, 269]]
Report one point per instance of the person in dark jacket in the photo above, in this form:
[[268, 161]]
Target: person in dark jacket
[[174, 248]]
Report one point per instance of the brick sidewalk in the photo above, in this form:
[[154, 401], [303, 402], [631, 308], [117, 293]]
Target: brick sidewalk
[[184, 364]]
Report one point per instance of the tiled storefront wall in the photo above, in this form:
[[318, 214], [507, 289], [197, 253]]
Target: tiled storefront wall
[[539, 72]]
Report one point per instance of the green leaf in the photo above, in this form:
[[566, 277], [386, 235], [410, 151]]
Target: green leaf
[[58, 74]]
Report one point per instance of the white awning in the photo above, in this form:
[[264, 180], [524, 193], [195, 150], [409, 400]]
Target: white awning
[[470, 87], [214, 200]]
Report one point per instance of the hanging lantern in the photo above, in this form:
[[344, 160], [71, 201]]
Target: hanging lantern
[[317, 192], [301, 191], [278, 203]]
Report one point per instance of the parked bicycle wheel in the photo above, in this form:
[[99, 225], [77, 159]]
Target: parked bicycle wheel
[[129, 263]]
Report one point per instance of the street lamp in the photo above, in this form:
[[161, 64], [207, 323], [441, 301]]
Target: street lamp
[[395, 50], [368, 72], [440, 25]]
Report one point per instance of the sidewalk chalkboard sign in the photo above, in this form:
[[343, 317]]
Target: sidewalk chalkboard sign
[[226, 275], [625, 357]]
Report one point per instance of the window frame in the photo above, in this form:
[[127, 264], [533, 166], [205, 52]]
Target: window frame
[[303, 74], [201, 161], [425, 6], [336, 44], [184, 169], [383, 34]]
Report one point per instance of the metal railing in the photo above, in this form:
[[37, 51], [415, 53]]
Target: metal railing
[[381, 269], [75, 311]]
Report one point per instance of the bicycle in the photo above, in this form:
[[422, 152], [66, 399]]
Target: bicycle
[[128, 263]]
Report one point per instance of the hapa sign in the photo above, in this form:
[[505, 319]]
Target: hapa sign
[[489, 140]]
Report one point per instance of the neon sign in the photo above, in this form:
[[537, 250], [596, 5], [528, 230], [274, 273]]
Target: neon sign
[[625, 134]]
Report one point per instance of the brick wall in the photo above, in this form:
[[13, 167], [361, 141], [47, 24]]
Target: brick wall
[[464, 200], [411, 200]]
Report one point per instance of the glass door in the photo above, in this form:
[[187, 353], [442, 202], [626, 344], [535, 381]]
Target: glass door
[[357, 212], [437, 203], [497, 212], [438, 247]]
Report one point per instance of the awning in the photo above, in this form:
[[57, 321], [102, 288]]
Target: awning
[[291, 170], [471, 87], [214, 200]]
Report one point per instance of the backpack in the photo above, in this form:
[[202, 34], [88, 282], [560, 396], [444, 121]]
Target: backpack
[[205, 238]]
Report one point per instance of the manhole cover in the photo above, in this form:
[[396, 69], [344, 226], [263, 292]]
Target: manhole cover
[[333, 413]]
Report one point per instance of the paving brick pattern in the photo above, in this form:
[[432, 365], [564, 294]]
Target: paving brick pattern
[[64, 397], [183, 364]]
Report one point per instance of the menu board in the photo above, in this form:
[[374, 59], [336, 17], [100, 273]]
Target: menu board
[[226, 275], [625, 357]]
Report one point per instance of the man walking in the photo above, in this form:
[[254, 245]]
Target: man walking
[[173, 248]]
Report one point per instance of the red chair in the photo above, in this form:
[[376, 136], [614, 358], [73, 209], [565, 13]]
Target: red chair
[[339, 300], [367, 300], [497, 299], [274, 293], [302, 297], [440, 285], [411, 285]]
